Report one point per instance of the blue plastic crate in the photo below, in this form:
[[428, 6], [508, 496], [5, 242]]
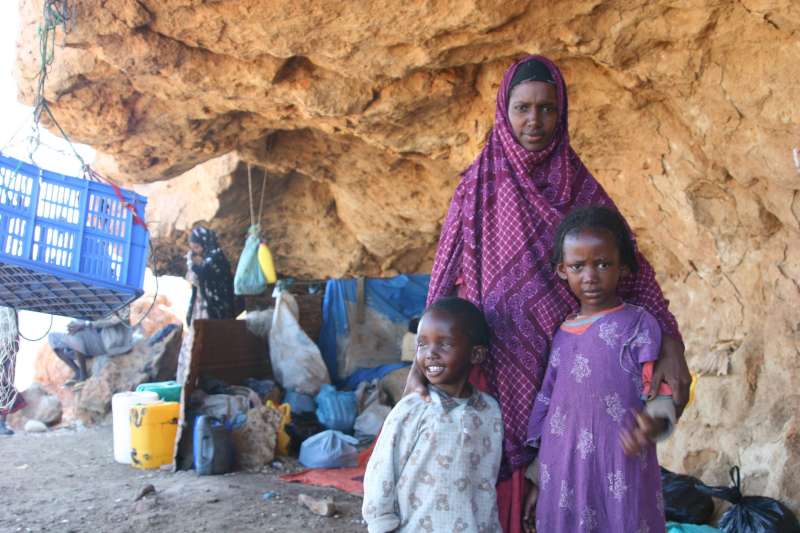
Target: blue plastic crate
[[68, 246]]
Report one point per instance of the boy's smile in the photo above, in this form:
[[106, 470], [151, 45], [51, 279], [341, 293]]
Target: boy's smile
[[444, 353]]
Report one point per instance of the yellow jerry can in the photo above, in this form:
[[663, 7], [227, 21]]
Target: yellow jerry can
[[153, 430]]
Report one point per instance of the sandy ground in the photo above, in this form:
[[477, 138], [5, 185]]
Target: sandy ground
[[67, 481]]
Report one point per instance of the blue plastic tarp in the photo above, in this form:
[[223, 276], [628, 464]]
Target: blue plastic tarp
[[399, 299], [371, 374]]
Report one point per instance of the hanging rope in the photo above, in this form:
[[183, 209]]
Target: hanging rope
[[37, 339], [253, 220], [55, 14]]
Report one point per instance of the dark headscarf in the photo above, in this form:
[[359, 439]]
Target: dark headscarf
[[532, 70], [214, 275], [497, 239]]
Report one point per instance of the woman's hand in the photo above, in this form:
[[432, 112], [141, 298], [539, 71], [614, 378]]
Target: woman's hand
[[76, 326], [672, 369], [416, 382], [643, 434], [529, 510]]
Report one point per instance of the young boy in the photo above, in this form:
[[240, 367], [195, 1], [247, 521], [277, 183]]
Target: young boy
[[435, 464]]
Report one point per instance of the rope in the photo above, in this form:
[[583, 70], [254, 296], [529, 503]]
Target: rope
[[155, 295], [263, 188], [46, 333], [253, 220], [250, 194], [55, 13]]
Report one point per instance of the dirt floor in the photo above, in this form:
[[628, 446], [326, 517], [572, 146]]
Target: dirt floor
[[67, 481]]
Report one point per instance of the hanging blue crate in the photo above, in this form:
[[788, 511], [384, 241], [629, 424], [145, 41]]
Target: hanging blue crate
[[68, 246]]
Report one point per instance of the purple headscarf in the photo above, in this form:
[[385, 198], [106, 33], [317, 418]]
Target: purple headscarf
[[497, 239]]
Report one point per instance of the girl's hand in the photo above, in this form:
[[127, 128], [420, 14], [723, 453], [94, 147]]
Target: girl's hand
[[672, 369], [642, 435], [529, 510], [416, 382]]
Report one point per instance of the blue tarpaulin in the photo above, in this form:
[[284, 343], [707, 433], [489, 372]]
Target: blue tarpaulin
[[399, 299]]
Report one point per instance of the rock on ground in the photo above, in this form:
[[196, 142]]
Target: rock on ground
[[40, 405]]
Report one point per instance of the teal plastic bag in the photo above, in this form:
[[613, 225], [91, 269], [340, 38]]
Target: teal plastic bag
[[674, 527], [249, 279]]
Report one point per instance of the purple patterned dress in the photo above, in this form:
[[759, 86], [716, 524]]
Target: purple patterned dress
[[592, 383]]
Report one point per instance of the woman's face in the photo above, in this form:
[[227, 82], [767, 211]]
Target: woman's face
[[195, 248], [533, 114]]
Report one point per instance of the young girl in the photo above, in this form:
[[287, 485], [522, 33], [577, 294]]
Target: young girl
[[597, 464]]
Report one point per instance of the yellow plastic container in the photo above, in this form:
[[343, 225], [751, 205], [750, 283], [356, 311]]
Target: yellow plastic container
[[282, 447], [266, 263], [153, 430]]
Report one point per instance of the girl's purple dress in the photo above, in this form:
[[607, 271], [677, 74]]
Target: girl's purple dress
[[593, 381]]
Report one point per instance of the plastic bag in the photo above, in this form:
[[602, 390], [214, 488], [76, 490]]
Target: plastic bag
[[683, 501], [369, 423], [329, 449], [225, 406], [301, 403], [296, 361], [336, 409], [266, 263], [752, 514], [249, 279], [302, 427], [673, 527]]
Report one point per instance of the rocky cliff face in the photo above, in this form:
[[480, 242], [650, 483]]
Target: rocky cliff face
[[362, 117]]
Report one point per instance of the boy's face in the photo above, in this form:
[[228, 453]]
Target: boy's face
[[445, 352]]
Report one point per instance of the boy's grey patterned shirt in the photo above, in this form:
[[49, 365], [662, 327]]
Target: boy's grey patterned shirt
[[435, 466]]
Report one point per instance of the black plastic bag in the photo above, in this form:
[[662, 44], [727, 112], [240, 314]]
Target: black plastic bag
[[302, 426], [683, 501], [752, 514]]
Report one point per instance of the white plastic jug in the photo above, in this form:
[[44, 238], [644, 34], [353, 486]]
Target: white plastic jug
[[121, 404]]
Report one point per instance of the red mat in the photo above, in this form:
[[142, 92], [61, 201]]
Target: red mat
[[347, 479]]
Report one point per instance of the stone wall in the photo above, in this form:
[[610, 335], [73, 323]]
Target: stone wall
[[686, 111]]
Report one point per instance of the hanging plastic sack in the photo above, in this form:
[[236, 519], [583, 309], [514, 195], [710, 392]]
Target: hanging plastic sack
[[752, 514], [683, 501], [296, 361], [336, 409], [329, 449], [249, 279], [266, 263]]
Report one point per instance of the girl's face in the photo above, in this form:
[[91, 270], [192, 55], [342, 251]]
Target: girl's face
[[591, 266], [533, 114]]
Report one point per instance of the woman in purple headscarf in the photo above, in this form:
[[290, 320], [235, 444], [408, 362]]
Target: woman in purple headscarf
[[494, 251]]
